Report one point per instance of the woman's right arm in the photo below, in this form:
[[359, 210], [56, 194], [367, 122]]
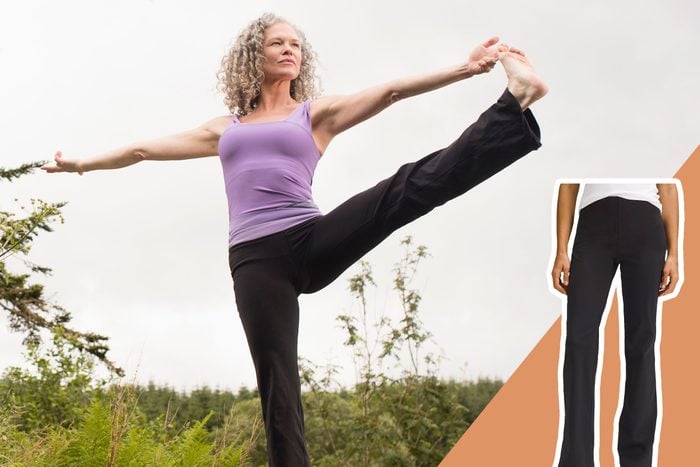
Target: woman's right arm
[[566, 205], [199, 142]]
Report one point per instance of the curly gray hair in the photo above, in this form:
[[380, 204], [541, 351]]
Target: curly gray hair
[[241, 73]]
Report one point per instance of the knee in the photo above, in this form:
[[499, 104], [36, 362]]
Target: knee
[[581, 339], [639, 349]]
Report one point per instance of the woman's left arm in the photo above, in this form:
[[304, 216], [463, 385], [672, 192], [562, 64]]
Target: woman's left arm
[[668, 195], [332, 115]]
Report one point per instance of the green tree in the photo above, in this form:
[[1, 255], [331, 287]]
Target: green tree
[[61, 380], [410, 419], [55, 391], [29, 311]]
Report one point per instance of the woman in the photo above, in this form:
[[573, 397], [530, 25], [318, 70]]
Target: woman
[[280, 245], [633, 226]]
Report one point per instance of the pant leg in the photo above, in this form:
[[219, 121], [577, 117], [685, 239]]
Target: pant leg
[[593, 266], [499, 137], [641, 269], [267, 304]]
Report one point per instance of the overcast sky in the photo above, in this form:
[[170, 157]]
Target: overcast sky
[[142, 256]]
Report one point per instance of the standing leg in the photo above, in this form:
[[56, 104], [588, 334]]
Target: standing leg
[[593, 267], [268, 307], [501, 135], [641, 270]]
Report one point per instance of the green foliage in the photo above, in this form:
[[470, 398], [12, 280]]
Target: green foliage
[[24, 169], [36, 449], [112, 431], [476, 395], [192, 448], [16, 234], [90, 443], [29, 311], [415, 421], [410, 332], [181, 408], [244, 428], [56, 389], [410, 419], [138, 447]]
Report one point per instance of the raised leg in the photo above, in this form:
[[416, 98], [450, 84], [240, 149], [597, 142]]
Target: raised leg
[[500, 136]]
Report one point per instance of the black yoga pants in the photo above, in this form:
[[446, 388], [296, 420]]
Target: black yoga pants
[[630, 234], [269, 273]]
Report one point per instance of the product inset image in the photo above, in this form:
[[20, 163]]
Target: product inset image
[[631, 228]]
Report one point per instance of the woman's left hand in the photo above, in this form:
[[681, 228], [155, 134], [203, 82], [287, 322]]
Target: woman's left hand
[[669, 277], [484, 57]]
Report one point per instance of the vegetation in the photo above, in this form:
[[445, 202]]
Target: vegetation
[[412, 418], [29, 311], [57, 412], [415, 423]]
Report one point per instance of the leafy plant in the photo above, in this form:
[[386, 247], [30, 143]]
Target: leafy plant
[[29, 311]]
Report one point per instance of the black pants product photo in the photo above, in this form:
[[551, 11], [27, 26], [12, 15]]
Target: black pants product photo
[[270, 273], [613, 233]]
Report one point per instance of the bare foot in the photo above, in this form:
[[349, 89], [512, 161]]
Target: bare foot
[[525, 85]]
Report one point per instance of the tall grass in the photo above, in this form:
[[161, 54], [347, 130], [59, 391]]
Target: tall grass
[[112, 431]]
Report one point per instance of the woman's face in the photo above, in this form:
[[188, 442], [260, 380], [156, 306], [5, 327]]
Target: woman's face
[[282, 52]]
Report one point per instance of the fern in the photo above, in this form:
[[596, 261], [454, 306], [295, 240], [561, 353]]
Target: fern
[[231, 456], [90, 444], [117, 433], [138, 447], [193, 447]]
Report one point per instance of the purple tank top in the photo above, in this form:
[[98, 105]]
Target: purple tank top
[[268, 171]]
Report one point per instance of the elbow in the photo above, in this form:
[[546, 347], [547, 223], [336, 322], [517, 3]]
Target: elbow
[[389, 93], [397, 90], [138, 155], [394, 95]]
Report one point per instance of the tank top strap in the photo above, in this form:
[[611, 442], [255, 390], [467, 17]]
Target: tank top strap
[[303, 116]]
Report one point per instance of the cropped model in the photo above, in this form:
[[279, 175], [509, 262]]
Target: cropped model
[[633, 227]]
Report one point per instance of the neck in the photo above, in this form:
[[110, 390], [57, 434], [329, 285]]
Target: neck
[[275, 95]]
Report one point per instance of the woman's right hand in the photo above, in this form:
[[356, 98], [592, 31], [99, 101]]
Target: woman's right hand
[[560, 273], [63, 165], [484, 57]]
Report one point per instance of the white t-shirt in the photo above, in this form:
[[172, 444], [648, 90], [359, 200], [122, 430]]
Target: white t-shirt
[[593, 192]]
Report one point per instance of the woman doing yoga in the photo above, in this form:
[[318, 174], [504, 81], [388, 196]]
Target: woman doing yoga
[[280, 244]]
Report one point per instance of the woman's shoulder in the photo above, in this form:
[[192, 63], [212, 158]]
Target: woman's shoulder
[[217, 125]]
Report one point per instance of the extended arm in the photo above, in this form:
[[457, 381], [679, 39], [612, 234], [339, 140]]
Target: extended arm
[[668, 195], [198, 142], [566, 204], [332, 115]]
